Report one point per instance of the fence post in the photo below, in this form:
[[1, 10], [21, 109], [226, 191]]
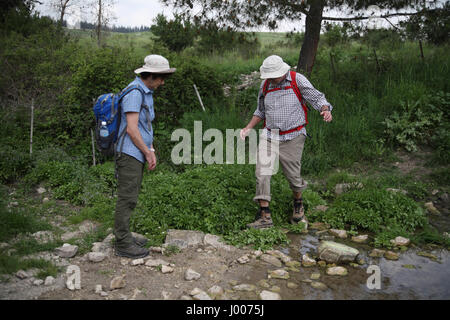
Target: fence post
[[199, 98], [93, 148], [31, 127]]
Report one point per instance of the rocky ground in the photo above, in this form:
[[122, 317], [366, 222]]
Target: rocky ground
[[321, 264]]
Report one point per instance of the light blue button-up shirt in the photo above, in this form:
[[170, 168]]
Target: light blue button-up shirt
[[132, 102]]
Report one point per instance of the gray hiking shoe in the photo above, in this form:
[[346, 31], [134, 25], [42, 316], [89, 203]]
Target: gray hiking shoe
[[263, 220], [298, 215], [140, 241], [131, 251]]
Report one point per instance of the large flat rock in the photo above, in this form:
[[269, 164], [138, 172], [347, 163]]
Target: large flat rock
[[184, 238], [334, 252]]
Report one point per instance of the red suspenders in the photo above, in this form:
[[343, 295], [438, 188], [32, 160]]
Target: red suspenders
[[294, 87]]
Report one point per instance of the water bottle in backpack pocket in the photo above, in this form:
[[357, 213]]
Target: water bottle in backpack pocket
[[107, 116]]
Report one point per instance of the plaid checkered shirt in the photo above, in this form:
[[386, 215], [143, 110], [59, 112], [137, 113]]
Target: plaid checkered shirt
[[282, 110]]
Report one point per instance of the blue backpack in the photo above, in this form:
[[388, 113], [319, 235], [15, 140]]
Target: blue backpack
[[107, 110]]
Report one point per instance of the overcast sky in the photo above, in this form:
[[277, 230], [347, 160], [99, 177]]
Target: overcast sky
[[135, 13]]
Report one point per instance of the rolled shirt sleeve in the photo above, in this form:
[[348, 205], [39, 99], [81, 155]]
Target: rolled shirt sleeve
[[313, 96]]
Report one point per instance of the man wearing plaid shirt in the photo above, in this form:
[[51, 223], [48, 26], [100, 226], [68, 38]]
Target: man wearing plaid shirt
[[285, 118]]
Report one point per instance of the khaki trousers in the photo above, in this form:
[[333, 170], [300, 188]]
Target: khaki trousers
[[270, 155]]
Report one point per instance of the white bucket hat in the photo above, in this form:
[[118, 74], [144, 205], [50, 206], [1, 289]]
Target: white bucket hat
[[155, 64], [273, 67]]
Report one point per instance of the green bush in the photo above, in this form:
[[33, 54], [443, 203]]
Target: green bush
[[374, 210], [13, 164], [418, 120]]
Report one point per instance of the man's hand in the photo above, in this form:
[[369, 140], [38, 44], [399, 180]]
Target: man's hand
[[326, 114], [151, 160], [244, 132]]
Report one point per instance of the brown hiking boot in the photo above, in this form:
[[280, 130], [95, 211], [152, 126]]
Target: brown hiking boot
[[263, 220], [298, 215]]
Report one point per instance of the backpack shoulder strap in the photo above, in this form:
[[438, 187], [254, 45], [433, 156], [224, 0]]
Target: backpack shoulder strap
[[265, 86], [298, 94]]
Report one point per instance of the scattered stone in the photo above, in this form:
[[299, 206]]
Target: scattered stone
[[45, 200], [315, 276], [344, 187], [354, 265], [336, 252], [49, 281], [41, 190], [156, 249], [244, 259], [361, 238], [67, 251], [244, 287], [263, 283], [118, 283], [215, 292], [166, 295], [293, 264], [271, 259], [166, 269], [185, 297], [22, 274], [307, 261], [306, 280], [292, 285], [319, 226], [257, 253], [38, 282], [361, 261], [400, 241], [98, 289], [431, 208], [390, 255], [280, 255], [156, 262], [397, 190], [377, 253], [96, 256], [322, 263], [104, 294], [275, 289], [427, 255], [215, 242], [136, 292], [124, 261], [446, 235], [13, 204], [184, 238], [199, 294], [279, 274], [337, 271], [319, 285], [191, 275], [137, 262], [268, 295], [103, 247], [43, 236], [338, 233], [109, 239], [321, 207]]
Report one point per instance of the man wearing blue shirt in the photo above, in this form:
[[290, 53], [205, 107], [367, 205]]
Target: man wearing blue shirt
[[135, 150]]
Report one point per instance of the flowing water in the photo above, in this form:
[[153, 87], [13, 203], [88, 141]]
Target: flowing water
[[410, 277]]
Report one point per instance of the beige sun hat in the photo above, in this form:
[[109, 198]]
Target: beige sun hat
[[155, 64], [273, 67]]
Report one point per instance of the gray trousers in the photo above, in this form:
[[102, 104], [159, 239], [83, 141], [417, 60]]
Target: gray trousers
[[270, 155], [129, 174]]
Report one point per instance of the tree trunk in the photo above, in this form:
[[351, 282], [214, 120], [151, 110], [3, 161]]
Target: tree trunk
[[312, 34]]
